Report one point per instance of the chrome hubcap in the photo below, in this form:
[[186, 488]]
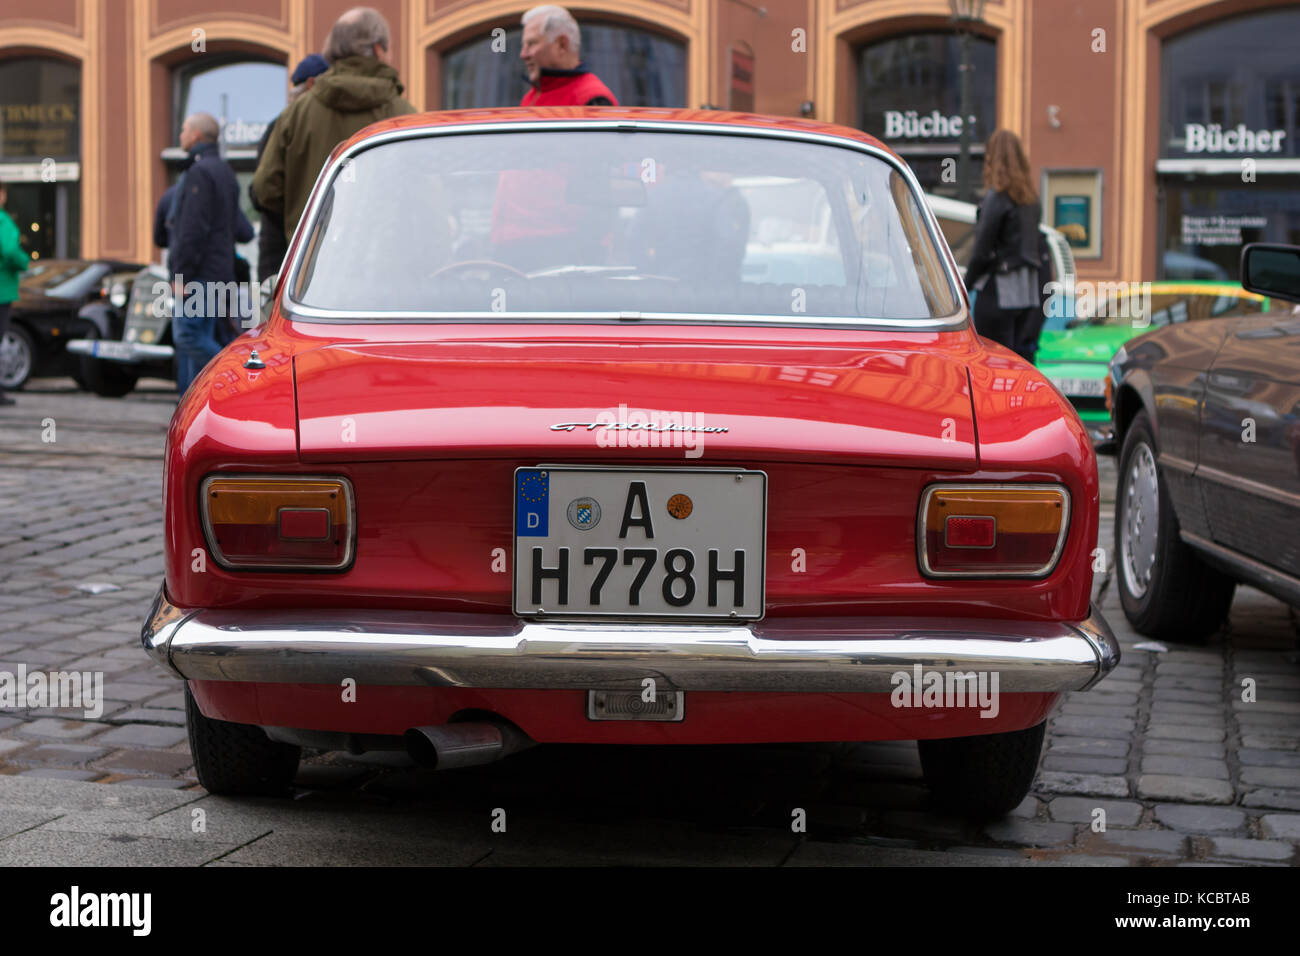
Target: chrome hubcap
[[15, 361], [1141, 503]]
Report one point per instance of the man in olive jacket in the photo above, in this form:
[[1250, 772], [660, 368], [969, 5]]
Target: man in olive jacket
[[13, 262], [359, 88]]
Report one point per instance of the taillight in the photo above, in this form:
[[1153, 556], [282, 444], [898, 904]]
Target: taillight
[[279, 523], [991, 530]]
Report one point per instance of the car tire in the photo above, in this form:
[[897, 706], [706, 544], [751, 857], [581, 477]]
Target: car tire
[[1166, 590], [17, 357], [985, 776], [106, 379], [238, 759]]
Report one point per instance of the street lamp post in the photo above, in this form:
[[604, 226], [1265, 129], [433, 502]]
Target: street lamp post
[[965, 14]]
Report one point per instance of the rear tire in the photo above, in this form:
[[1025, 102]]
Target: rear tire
[[1167, 591], [982, 777], [17, 357], [238, 759], [106, 379]]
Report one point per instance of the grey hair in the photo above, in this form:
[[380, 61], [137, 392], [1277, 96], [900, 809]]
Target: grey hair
[[356, 33], [556, 21], [206, 125]]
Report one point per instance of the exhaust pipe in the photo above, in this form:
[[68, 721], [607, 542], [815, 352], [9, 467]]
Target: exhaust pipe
[[448, 746]]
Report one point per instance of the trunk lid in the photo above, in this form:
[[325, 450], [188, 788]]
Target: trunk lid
[[621, 400]]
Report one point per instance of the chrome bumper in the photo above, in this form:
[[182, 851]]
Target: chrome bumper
[[811, 655], [120, 351]]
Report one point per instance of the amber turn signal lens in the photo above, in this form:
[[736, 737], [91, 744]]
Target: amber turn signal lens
[[283, 523], [991, 530]]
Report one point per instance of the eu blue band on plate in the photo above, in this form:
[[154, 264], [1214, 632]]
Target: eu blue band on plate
[[532, 499]]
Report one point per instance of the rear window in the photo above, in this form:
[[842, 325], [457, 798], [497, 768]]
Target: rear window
[[595, 221]]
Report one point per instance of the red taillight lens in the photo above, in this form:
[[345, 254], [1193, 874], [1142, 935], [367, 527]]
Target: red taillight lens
[[279, 522], [992, 530]]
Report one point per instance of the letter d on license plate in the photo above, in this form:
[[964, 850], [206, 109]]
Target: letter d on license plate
[[639, 543]]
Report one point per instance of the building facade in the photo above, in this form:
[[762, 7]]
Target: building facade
[[1163, 133]]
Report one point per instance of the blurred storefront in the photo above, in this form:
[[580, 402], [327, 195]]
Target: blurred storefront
[[1137, 114]]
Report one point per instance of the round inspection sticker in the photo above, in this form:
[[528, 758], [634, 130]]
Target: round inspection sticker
[[584, 513]]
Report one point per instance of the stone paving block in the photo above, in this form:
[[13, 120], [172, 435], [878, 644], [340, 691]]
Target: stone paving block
[[1153, 786], [64, 755], [1286, 707], [1280, 777], [1071, 709], [1164, 695], [159, 782], [1183, 732], [1269, 758], [1093, 726], [1077, 764], [8, 746], [7, 722], [142, 735], [55, 773], [1081, 809], [1027, 809], [1271, 799], [1184, 748], [1030, 833], [151, 715], [59, 729], [1161, 716], [1086, 859], [1088, 746], [158, 762], [1089, 784], [1165, 842], [1197, 819], [1185, 766], [1281, 826], [1252, 849]]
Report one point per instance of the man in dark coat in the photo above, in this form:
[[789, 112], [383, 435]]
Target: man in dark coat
[[203, 226], [272, 243], [358, 89]]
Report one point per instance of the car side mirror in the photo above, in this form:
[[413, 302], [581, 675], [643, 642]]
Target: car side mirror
[[1271, 269]]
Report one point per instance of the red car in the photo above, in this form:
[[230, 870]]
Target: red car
[[624, 427]]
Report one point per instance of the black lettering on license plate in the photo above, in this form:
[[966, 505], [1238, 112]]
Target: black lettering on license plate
[[678, 566]]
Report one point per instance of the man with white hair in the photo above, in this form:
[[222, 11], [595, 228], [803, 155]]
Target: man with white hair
[[358, 89], [551, 55]]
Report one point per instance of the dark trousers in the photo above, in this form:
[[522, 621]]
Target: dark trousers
[[1017, 329]]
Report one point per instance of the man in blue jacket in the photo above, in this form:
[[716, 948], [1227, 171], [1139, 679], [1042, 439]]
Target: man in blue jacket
[[203, 226]]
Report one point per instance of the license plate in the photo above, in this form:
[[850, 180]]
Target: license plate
[[1087, 387], [639, 543], [120, 351]]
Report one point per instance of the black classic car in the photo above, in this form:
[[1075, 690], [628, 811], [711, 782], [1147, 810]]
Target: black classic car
[[51, 297], [1207, 420], [132, 336]]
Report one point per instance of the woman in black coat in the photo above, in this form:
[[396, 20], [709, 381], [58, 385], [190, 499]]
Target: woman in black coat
[[1007, 263]]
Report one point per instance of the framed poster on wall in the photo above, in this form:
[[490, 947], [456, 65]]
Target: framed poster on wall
[[1072, 205]]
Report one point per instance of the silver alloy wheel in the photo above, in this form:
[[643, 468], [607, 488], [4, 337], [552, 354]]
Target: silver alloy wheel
[[1137, 540], [15, 360]]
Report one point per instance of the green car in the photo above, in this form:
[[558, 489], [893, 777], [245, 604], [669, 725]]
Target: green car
[[1076, 352]]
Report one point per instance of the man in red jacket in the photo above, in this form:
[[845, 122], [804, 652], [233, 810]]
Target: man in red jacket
[[530, 213], [551, 55]]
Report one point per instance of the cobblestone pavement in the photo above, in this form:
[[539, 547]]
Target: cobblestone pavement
[[1186, 772]]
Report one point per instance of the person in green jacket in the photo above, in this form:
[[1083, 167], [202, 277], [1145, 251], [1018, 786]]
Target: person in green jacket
[[358, 89], [13, 263]]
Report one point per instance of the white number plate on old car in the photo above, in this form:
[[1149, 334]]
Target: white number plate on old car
[[639, 543], [1086, 387], [106, 348]]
